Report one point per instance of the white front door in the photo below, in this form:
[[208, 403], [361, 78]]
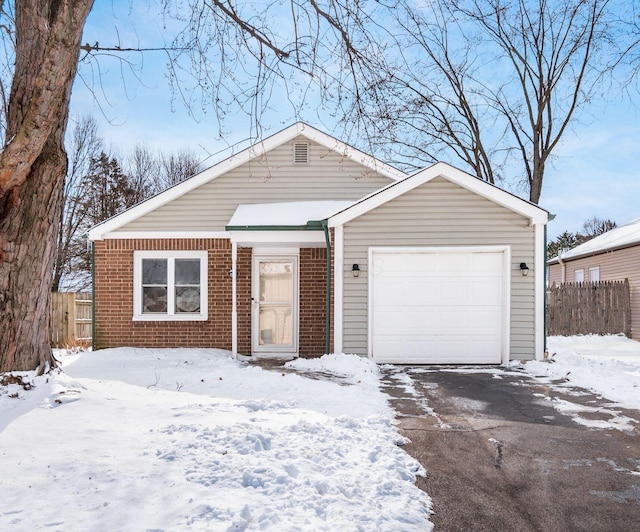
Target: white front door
[[274, 309]]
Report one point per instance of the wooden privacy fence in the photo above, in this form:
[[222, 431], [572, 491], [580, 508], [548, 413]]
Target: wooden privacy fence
[[600, 307], [70, 319]]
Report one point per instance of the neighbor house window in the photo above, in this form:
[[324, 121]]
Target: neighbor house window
[[170, 285], [578, 276], [594, 274]]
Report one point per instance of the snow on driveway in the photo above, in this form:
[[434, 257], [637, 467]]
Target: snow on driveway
[[190, 439], [606, 365]]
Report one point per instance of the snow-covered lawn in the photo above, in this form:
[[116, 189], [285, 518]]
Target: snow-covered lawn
[[606, 365], [190, 439], [144, 439]]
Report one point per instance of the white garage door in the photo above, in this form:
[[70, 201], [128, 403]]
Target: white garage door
[[438, 306]]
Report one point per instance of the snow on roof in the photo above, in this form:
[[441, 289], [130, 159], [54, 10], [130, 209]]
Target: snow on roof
[[295, 213], [616, 238]]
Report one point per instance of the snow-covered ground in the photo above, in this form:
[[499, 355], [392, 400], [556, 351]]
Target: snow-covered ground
[[190, 439], [606, 365], [146, 439]]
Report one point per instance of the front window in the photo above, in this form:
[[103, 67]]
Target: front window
[[170, 285], [187, 285], [154, 286]]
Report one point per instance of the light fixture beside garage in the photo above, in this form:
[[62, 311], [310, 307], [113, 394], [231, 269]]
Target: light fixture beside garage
[[355, 270], [524, 269]]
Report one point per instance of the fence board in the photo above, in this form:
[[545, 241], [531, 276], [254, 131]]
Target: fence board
[[600, 307], [71, 321]]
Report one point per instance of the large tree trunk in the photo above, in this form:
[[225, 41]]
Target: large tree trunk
[[32, 169]]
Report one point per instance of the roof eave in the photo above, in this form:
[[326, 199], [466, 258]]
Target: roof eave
[[535, 214], [598, 252]]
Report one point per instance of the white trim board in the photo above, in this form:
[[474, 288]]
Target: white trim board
[[153, 235]]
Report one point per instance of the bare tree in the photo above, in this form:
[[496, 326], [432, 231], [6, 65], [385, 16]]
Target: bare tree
[[627, 52], [594, 227], [85, 145], [567, 240], [176, 167], [496, 83], [97, 187], [143, 170], [316, 41]]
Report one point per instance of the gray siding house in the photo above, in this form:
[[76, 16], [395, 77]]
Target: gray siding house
[[303, 245]]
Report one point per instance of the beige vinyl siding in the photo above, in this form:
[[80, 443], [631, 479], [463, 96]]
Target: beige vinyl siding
[[555, 274], [614, 265], [267, 179], [440, 213]]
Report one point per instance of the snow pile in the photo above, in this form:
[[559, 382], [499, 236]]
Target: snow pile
[[190, 439], [353, 368], [607, 365]]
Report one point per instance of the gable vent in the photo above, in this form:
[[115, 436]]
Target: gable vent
[[300, 153]]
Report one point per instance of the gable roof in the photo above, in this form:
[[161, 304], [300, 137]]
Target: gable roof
[[620, 237], [484, 189], [299, 129]]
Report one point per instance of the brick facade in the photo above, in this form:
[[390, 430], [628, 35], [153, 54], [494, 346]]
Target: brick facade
[[313, 290], [113, 298]]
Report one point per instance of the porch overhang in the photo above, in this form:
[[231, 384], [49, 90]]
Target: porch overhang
[[267, 237], [292, 224]]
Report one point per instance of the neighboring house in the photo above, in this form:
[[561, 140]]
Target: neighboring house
[[423, 268], [612, 256]]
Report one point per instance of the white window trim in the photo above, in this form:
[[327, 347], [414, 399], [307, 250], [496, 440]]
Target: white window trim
[[594, 270], [578, 273], [137, 285]]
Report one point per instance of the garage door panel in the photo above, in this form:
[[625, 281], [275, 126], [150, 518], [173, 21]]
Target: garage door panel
[[390, 321], [487, 292], [435, 307], [486, 262], [443, 352]]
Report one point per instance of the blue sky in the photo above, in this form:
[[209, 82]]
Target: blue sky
[[596, 171]]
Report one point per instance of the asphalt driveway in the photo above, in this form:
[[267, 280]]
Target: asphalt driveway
[[504, 452]]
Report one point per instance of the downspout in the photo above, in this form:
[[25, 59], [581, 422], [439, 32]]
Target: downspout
[[563, 277], [545, 352], [327, 337]]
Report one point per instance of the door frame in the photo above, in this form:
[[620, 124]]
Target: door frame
[[266, 255]]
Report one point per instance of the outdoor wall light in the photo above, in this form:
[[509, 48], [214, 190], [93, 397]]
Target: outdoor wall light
[[355, 270], [524, 269]]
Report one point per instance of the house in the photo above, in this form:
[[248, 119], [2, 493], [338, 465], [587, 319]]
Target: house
[[304, 245], [612, 256]]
